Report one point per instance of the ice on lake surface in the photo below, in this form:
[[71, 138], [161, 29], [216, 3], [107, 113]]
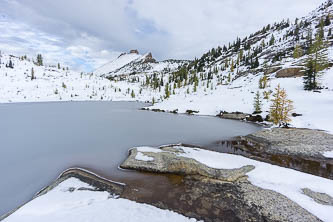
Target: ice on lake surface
[[40, 140]]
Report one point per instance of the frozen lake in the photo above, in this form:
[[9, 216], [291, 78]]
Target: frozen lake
[[40, 140]]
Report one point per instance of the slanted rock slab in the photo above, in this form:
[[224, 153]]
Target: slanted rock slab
[[168, 160]]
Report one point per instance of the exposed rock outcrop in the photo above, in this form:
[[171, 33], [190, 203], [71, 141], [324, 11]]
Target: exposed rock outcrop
[[233, 115], [215, 194], [255, 118], [135, 51], [293, 141], [272, 69], [299, 149], [290, 72], [169, 162], [149, 58]]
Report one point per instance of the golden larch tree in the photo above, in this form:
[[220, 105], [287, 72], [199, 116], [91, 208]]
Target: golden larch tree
[[281, 107]]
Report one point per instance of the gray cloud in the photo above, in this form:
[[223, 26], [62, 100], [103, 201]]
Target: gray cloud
[[87, 33]]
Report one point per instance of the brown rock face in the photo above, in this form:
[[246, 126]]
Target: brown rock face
[[135, 51], [271, 70], [149, 58], [290, 72]]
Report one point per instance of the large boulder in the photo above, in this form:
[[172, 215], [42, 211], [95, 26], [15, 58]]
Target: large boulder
[[170, 160], [290, 72], [255, 118], [233, 115], [299, 149]]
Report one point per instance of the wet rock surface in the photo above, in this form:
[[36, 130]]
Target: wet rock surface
[[293, 141], [207, 196], [299, 149]]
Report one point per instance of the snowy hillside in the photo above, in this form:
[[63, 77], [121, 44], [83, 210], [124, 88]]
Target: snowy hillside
[[118, 63], [49, 83], [227, 78], [133, 63]]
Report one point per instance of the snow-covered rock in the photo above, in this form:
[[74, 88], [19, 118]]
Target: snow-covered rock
[[288, 182], [74, 200]]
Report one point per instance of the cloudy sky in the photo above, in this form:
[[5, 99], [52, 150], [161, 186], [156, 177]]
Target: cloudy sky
[[84, 34]]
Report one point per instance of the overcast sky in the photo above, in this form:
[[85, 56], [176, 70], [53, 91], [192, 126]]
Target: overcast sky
[[84, 34]]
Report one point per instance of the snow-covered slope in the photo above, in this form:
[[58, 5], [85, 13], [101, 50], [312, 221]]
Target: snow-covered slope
[[117, 63], [222, 88], [133, 63], [53, 84], [48, 83]]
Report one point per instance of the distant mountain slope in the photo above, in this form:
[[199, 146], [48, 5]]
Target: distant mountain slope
[[133, 63], [117, 63], [21, 80]]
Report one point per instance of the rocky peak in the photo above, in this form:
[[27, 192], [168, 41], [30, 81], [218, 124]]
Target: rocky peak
[[149, 58], [134, 51]]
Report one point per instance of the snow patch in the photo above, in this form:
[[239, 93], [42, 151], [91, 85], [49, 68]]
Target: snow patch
[[328, 154], [141, 157]]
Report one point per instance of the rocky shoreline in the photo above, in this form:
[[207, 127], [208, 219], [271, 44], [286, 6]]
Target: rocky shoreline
[[222, 194], [218, 195], [299, 149]]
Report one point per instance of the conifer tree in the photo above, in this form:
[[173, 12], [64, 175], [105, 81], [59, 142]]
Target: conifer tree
[[320, 31], [39, 60], [32, 74], [11, 65], [256, 63], [316, 62], [132, 94], [297, 52], [59, 66], [167, 92], [257, 103], [272, 40], [281, 107], [309, 39], [328, 20]]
